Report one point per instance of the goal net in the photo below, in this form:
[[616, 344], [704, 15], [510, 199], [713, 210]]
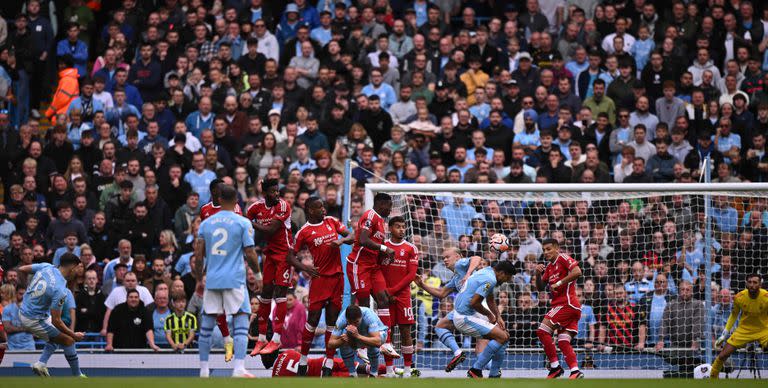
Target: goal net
[[661, 265]]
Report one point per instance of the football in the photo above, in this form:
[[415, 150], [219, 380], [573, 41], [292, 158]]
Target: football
[[499, 243]]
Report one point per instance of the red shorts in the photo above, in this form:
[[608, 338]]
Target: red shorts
[[326, 289], [565, 316], [276, 269], [401, 310], [364, 278]]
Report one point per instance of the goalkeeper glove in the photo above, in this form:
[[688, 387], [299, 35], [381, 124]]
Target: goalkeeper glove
[[721, 339]]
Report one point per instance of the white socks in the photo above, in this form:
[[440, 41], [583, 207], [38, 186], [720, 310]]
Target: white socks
[[204, 371], [276, 338]]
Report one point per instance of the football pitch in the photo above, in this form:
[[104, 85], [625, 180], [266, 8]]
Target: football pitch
[[159, 382]]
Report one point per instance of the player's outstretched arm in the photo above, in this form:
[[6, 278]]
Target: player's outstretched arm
[[474, 262], [347, 238], [293, 260], [437, 292], [59, 324], [27, 269], [365, 240]]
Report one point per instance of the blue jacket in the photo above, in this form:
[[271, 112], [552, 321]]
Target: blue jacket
[[79, 53], [146, 78], [132, 95]]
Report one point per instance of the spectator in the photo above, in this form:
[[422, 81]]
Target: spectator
[[118, 295], [295, 319], [90, 304], [160, 313], [619, 325], [125, 251], [76, 49], [18, 338], [683, 326], [651, 309], [130, 327], [180, 325]]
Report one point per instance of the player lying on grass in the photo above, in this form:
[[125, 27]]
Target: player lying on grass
[[358, 327], [42, 308], [560, 276], [399, 272], [286, 364], [223, 240], [462, 268], [750, 307], [472, 318], [320, 235], [363, 263]]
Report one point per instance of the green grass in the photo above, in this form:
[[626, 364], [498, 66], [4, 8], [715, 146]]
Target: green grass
[[141, 382]]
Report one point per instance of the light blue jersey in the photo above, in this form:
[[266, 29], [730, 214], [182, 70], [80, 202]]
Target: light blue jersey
[[459, 271], [369, 324], [69, 303], [47, 291], [226, 234], [480, 283], [19, 340]]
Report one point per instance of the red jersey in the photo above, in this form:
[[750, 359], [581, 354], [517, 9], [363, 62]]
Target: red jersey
[[210, 209], [400, 272], [287, 365], [554, 272], [317, 238], [259, 212], [374, 224]]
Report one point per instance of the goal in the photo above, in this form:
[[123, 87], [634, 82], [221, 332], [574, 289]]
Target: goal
[[660, 263]]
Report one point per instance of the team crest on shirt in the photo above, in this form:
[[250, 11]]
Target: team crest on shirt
[[402, 252], [62, 300], [487, 287], [328, 227], [367, 223]]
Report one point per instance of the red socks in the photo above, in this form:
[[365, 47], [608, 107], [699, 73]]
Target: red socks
[[407, 355], [564, 343], [306, 339], [221, 321], [545, 336], [279, 318], [265, 307], [329, 353]]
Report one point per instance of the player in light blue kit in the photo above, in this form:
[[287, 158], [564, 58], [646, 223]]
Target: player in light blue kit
[[472, 318], [42, 308], [222, 240], [358, 327], [462, 268], [67, 312]]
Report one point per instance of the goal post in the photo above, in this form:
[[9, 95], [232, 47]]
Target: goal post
[[701, 236]]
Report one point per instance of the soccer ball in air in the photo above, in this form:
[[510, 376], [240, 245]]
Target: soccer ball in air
[[499, 243]]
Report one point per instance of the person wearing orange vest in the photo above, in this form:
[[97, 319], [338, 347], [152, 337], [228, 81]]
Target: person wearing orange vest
[[66, 91]]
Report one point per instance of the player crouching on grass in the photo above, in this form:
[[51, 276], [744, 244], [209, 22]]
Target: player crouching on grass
[[462, 268], [399, 272], [750, 307], [358, 327], [560, 275], [320, 235], [472, 318]]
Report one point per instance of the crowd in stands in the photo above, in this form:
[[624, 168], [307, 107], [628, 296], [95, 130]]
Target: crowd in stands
[[115, 116]]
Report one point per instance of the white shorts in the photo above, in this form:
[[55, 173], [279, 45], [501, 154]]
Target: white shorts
[[476, 325], [40, 328], [226, 301]]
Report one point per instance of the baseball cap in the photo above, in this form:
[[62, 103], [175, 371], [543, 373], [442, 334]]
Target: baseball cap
[[441, 85], [511, 82], [525, 55], [435, 155], [274, 112]]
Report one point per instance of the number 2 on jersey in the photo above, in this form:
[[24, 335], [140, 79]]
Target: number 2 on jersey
[[223, 239]]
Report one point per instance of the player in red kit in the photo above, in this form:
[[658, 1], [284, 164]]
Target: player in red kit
[[320, 235], [206, 211], [272, 217], [286, 364], [399, 273], [363, 269], [4, 338], [560, 275]]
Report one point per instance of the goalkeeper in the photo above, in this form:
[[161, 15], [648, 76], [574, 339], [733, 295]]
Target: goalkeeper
[[750, 306]]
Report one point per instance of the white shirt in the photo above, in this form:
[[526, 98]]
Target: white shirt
[[192, 143], [268, 46], [119, 295], [607, 44]]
